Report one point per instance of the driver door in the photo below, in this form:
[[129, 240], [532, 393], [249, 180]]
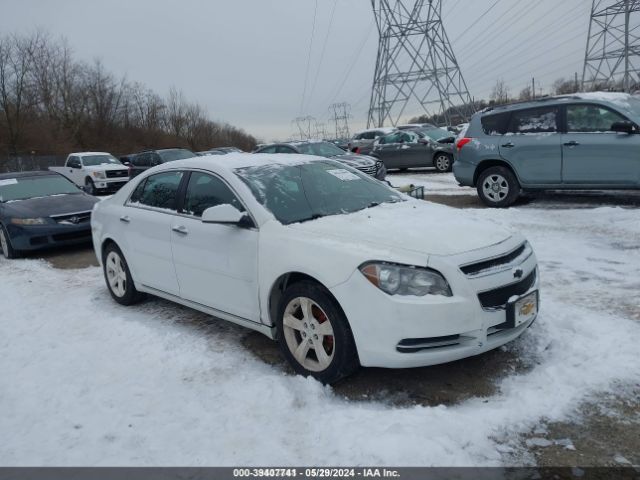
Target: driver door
[[593, 154], [216, 265]]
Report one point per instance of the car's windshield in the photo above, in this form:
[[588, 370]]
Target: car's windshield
[[297, 193], [23, 188], [321, 149], [437, 134], [95, 160], [178, 154]]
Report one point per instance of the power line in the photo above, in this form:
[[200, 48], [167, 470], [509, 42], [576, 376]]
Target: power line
[[324, 47], [466, 30], [306, 76]]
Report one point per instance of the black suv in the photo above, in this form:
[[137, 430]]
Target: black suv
[[144, 160]]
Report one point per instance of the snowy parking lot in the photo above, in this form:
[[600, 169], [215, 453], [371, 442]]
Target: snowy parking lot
[[85, 381]]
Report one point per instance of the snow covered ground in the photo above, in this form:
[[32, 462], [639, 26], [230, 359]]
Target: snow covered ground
[[84, 381]]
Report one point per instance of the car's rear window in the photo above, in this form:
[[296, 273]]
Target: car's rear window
[[495, 124]]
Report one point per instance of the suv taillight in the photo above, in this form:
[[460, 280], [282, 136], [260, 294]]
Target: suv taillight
[[462, 142]]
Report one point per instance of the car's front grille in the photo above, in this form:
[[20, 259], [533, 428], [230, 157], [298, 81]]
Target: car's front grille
[[492, 264], [498, 298], [77, 218], [369, 170], [117, 173], [65, 237]]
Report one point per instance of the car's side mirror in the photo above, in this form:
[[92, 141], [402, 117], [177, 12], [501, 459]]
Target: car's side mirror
[[622, 127], [226, 215]]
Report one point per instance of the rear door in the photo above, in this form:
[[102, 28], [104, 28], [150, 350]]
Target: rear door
[[592, 153], [386, 149], [146, 224], [533, 145], [217, 265]]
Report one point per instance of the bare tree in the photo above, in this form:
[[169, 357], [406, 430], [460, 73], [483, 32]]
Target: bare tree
[[500, 93]]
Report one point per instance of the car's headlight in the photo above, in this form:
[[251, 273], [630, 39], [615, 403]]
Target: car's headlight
[[100, 175], [28, 221], [405, 280]]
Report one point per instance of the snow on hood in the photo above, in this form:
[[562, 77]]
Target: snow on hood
[[355, 160], [413, 225]]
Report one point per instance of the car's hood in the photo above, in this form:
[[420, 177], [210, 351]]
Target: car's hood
[[414, 225], [105, 166], [355, 160], [52, 205]]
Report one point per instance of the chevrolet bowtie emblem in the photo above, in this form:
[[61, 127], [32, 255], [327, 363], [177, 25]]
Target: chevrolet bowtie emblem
[[518, 273]]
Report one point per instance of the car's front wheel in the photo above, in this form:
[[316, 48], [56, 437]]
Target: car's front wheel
[[5, 244], [442, 162], [498, 187], [118, 276], [89, 187], [314, 335]]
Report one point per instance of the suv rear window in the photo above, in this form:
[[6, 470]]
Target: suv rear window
[[495, 124]]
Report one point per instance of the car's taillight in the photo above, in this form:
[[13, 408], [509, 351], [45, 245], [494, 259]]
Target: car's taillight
[[462, 142]]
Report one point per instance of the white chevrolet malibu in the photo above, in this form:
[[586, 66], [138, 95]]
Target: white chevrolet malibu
[[336, 266]]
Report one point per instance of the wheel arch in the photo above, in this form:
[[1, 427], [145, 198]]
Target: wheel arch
[[486, 164], [285, 280]]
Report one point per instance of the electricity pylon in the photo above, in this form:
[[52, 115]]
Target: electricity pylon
[[340, 115], [613, 45], [416, 70]]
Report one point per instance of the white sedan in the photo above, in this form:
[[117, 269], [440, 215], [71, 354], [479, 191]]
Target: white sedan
[[336, 266]]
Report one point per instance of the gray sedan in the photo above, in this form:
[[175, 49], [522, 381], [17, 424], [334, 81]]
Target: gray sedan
[[416, 148]]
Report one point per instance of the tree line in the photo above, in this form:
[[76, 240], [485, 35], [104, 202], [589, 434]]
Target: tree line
[[53, 104]]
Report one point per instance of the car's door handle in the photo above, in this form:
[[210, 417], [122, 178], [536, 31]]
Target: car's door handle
[[125, 219], [572, 143], [508, 145], [181, 229]]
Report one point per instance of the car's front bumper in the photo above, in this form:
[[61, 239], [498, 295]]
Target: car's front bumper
[[110, 184], [36, 237], [444, 328]]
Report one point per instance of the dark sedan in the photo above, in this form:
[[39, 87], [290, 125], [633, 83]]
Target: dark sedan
[[42, 209], [364, 163], [416, 148]]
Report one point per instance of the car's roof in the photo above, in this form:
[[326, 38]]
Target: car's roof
[[615, 98], [380, 129], [87, 154], [38, 173], [236, 160]]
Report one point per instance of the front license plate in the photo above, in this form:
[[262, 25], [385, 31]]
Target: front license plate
[[523, 310]]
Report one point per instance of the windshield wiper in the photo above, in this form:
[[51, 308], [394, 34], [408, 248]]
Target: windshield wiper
[[315, 216]]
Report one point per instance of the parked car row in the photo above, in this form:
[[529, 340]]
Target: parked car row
[[407, 146]]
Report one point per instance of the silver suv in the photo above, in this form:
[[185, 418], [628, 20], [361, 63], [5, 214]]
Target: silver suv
[[582, 141]]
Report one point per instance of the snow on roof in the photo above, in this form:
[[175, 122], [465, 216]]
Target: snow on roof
[[88, 154], [381, 129], [235, 160]]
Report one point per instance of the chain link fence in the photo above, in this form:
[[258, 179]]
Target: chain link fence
[[26, 163]]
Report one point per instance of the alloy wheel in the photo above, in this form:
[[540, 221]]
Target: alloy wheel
[[495, 187], [442, 163], [309, 334], [116, 274]]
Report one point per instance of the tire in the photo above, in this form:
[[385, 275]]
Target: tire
[[118, 277], [6, 249], [443, 162], [89, 187], [328, 329], [498, 187]]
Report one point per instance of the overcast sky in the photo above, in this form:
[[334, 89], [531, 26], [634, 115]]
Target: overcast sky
[[246, 60]]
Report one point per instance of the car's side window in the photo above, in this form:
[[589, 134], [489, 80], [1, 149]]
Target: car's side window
[[534, 120], [206, 191], [158, 191], [155, 159], [141, 160], [284, 149], [368, 136], [271, 149], [495, 124], [74, 162], [591, 118]]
